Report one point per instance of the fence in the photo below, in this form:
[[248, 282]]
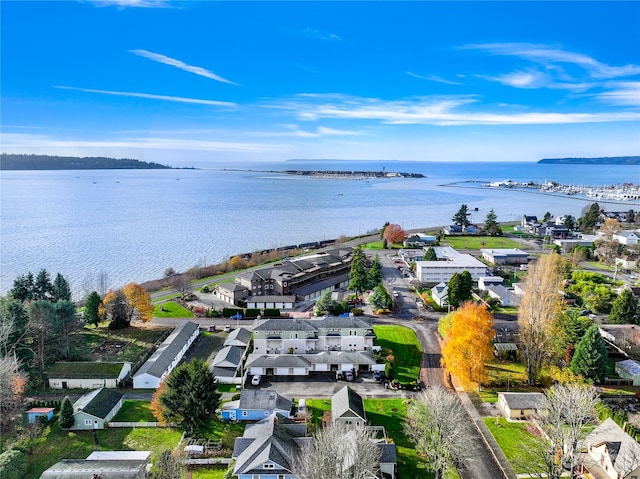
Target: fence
[[222, 461], [139, 424]]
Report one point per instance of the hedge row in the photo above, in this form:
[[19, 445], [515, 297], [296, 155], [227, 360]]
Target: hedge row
[[251, 312], [55, 404]]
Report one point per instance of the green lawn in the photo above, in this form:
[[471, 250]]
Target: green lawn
[[598, 265], [171, 309], [405, 348], [503, 375], [208, 473], [135, 411], [56, 444], [205, 347], [517, 444], [479, 242]]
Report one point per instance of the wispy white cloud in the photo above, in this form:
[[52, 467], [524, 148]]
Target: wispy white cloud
[[443, 111], [320, 35], [150, 96], [156, 57], [434, 78], [621, 93], [131, 3], [549, 55], [29, 142]]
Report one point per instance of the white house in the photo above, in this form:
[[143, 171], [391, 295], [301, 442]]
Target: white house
[[485, 281], [506, 296], [505, 256], [612, 451], [93, 410], [347, 407], [166, 357], [627, 261], [627, 237], [629, 369], [449, 262], [440, 294], [86, 375]]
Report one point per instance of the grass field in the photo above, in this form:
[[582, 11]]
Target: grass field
[[502, 376], [56, 444], [171, 309], [208, 473], [517, 444], [479, 242], [405, 348], [135, 411]]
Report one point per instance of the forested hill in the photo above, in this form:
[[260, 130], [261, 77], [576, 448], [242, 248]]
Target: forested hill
[[9, 161], [612, 160]]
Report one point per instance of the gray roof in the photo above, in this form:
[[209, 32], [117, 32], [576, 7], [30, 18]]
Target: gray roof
[[347, 400], [278, 361], [320, 285], [228, 357], [160, 360], [622, 448], [98, 403], [342, 322], [306, 360], [524, 400], [238, 337], [263, 400], [274, 439], [106, 469], [388, 453], [630, 366], [285, 325]]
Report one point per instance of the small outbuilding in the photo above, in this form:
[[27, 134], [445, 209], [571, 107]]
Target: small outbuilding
[[347, 407], [521, 405], [34, 413], [629, 369], [93, 410]]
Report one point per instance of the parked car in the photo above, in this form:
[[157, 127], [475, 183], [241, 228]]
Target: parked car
[[378, 376], [227, 329], [255, 380], [348, 376], [395, 294]]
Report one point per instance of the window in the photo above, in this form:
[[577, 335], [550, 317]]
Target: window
[[244, 413], [88, 422], [268, 466]]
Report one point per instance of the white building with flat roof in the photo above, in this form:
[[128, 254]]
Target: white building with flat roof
[[449, 262]]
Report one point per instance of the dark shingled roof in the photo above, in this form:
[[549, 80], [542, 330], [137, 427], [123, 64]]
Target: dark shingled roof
[[285, 325], [98, 403], [262, 399], [347, 400]]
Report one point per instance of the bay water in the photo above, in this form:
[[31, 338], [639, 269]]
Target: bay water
[[133, 224]]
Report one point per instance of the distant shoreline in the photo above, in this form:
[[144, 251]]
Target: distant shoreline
[[15, 162], [338, 174]]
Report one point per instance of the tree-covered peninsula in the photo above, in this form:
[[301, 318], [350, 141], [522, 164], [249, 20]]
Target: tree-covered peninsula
[[610, 160], [9, 161]]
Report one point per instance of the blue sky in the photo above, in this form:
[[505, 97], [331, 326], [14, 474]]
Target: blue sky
[[207, 83]]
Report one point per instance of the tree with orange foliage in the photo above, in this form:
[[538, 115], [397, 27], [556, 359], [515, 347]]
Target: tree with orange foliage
[[140, 302], [122, 306], [159, 410], [394, 234], [468, 343], [12, 385]]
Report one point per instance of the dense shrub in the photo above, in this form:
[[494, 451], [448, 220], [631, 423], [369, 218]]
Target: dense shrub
[[272, 312], [228, 312], [357, 311], [205, 289], [13, 464], [251, 313]]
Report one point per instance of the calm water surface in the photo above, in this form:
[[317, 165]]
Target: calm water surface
[[135, 224]]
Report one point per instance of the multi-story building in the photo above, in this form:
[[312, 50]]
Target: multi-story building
[[449, 262]]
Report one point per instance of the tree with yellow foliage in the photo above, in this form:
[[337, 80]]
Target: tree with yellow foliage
[[122, 306], [468, 342]]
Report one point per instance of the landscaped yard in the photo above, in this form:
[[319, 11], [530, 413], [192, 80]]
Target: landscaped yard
[[479, 242], [519, 446], [206, 347], [135, 411], [502, 376], [56, 444], [171, 309], [405, 348], [208, 473]]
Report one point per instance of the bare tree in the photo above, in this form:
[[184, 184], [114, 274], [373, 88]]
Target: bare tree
[[182, 283], [12, 383], [438, 424], [569, 408], [539, 308], [339, 452], [102, 283]]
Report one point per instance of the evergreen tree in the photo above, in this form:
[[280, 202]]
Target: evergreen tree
[[570, 222], [91, 313], [547, 216], [624, 309], [453, 290], [43, 289], [379, 298], [491, 226], [374, 275], [66, 413], [466, 286], [190, 397], [590, 217], [358, 273], [590, 358], [430, 255], [384, 227], [23, 287], [61, 289], [66, 316], [328, 304], [630, 217], [461, 218]]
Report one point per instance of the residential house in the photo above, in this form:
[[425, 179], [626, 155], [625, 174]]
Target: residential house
[[166, 357], [87, 375], [419, 240], [411, 255], [440, 294], [306, 364], [551, 230], [627, 261], [567, 244], [94, 469], [268, 448], [521, 405], [629, 369], [231, 293], [227, 363], [506, 296], [451, 230], [528, 219], [96, 408], [627, 238], [347, 407], [612, 451], [35, 412], [505, 256], [256, 404], [449, 262], [485, 281], [238, 337]]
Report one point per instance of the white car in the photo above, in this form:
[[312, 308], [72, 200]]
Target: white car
[[395, 294], [255, 380], [227, 329]]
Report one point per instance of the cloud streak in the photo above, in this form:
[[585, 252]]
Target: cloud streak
[[177, 99], [434, 78], [131, 3], [441, 111], [203, 72]]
